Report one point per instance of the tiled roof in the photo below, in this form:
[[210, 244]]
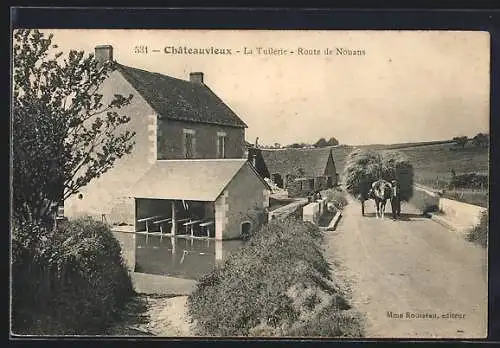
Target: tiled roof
[[312, 161], [285, 161], [177, 99], [340, 153], [195, 180]]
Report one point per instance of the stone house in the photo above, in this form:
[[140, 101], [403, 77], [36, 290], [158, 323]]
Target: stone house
[[301, 171], [185, 137]]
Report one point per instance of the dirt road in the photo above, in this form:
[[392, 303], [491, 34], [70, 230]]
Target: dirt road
[[407, 276]]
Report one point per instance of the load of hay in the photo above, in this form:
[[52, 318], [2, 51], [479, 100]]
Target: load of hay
[[363, 167]]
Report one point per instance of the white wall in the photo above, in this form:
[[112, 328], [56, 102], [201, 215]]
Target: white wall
[[108, 194]]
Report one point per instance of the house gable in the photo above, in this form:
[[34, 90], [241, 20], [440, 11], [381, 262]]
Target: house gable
[[245, 196], [330, 169], [107, 194]]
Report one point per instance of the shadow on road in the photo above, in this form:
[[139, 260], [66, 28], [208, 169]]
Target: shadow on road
[[403, 216]]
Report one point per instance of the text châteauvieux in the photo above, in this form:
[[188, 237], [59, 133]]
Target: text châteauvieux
[[267, 51]]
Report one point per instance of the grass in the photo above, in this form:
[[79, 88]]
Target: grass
[[436, 161], [280, 284], [479, 234], [479, 198]]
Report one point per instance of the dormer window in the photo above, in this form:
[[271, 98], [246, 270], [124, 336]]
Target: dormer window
[[189, 141], [221, 145]]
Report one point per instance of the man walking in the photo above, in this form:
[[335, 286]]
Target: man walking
[[395, 200]]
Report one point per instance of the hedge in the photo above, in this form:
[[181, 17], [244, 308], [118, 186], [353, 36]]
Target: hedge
[[71, 280], [363, 167], [469, 180], [479, 234], [279, 284]]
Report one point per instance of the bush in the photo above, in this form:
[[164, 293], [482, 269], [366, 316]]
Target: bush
[[479, 234], [279, 284], [363, 167], [469, 180], [71, 280], [337, 197]]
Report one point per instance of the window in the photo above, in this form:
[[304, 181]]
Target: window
[[246, 228], [189, 143], [221, 145]]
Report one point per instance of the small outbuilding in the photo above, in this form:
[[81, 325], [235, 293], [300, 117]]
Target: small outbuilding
[[214, 198]]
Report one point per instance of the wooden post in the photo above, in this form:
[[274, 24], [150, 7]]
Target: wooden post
[[173, 241], [174, 224]]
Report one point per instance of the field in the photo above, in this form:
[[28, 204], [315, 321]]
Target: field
[[434, 162]]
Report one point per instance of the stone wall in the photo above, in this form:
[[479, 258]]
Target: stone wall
[[170, 140], [462, 215], [293, 209], [311, 212], [243, 201]]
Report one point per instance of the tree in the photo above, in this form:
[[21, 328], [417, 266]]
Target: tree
[[297, 145], [332, 141], [321, 143], [461, 141], [481, 140], [64, 133]]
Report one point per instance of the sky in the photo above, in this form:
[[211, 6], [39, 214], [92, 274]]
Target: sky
[[408, 86]]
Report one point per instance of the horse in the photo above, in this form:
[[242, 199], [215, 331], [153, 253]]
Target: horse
[[380, 192]]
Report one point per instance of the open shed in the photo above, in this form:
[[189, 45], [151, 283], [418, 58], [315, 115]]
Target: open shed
[[218, 199]]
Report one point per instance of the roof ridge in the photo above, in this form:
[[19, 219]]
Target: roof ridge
[[152, 72], [177, 99]]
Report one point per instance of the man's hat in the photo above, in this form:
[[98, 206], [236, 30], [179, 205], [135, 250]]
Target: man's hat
[[394, 181]]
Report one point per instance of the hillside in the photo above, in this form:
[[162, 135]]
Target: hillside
[[430, 160], [404, 145], [435, 161]]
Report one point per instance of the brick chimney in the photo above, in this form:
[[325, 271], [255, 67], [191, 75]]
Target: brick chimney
[[103, 54], [196, 77]]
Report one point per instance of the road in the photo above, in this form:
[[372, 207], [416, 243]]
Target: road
[[413, 265]]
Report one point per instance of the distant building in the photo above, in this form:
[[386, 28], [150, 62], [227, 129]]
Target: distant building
[[300, 170], [184, 131]]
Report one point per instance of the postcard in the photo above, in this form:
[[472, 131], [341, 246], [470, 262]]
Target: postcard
[[250, 183]]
